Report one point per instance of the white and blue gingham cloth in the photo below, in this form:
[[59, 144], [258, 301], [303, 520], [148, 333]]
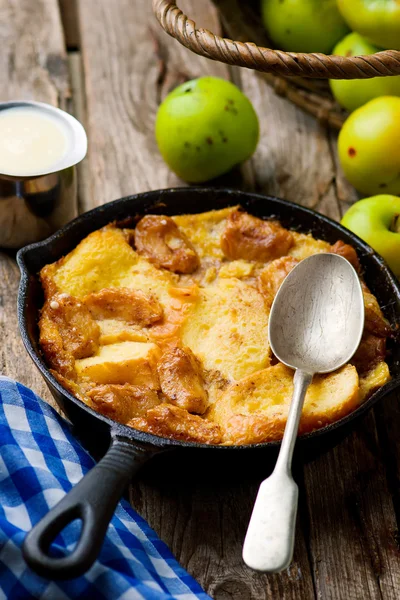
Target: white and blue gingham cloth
[[39, 462]]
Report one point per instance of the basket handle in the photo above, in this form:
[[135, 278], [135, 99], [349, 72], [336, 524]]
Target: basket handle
[[320, 66]]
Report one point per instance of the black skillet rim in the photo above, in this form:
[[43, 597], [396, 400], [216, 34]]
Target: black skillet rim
[[157, 196]]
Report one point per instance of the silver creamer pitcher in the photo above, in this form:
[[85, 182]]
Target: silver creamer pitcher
[[33, 207]]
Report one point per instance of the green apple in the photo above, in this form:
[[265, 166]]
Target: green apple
[[205, 127], [303, 25], [376, 221], [369, 147], [376, 20], [353, 93]]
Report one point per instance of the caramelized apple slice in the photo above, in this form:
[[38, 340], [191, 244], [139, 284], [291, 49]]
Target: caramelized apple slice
[[271, 278], [70, 318], [160, 240], [181, 379], [347, 252], [250, 238]]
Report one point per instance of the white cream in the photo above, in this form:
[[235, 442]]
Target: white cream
[[32, 141]]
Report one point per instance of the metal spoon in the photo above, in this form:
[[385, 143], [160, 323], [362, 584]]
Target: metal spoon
[[315, 326]]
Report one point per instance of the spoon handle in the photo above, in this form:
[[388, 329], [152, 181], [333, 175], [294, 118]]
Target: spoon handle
[[269, 541]]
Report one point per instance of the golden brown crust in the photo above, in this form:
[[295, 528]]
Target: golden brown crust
[[250, 238], [254, 429], [158, 238], [174, 422], [181, 379], [52, 347], [78, 330], [123, 402], [76, 389], [132, 306], [67, 332], [47, 279]]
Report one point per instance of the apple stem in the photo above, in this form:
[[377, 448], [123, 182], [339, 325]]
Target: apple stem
[[395, 224]]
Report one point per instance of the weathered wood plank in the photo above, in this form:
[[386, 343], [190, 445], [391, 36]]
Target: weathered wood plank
[[293, 158], [33, 62], [320, 178], [33, 66], [202, 511], [78, 109], [14, 361], [387, 415], [353, 530], [129, 63], [69, 17]]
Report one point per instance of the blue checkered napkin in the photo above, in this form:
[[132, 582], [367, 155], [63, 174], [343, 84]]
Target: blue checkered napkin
[[39, 462]]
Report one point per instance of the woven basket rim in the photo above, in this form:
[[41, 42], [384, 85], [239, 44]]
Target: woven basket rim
[[289, 64]]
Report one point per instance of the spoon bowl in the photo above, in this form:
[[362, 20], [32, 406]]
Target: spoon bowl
[[315, 326], [317, 317]]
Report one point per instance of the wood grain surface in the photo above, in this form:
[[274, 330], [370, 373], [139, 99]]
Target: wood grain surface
[[347, 534], [129, 65]]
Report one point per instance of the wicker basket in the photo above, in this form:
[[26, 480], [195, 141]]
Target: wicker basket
[[296, 76]]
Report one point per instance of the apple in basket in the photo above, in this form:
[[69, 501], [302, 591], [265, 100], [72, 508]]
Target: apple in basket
[[369, 147], [377, 20], [353, 93], [303, 25]]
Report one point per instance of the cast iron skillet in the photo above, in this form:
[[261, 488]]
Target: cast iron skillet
[[95, 497]]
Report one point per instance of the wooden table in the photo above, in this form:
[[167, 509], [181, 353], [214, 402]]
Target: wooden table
[[112, 74]]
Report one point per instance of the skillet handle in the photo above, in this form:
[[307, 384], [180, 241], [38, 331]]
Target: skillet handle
[[93, 500]]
